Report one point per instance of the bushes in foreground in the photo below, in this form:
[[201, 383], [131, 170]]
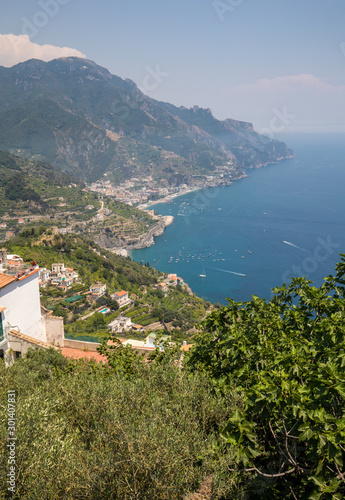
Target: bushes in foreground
[[85, 432], [286, 357]]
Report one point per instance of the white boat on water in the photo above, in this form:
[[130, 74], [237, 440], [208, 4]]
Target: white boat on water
[[203, 275]]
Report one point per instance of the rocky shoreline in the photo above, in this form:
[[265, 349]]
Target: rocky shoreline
[[146, 240]]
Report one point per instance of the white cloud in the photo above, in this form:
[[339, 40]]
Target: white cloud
[[15, 49]]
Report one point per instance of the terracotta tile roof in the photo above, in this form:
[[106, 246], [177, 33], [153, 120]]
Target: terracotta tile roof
[[186, 348], [6, 280], [29, 274], [2, 309], [31, 340], [71, 353], [121, 294]]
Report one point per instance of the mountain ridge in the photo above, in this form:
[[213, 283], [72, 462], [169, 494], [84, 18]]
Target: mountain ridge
[[79, 117]]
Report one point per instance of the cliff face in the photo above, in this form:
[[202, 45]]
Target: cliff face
[[132, 243], [148, 239], [81, 118]]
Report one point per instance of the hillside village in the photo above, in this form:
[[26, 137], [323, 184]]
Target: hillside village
[[140, 191], [29, 309]]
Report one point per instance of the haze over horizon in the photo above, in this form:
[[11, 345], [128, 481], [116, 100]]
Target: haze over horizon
[[278, 65]]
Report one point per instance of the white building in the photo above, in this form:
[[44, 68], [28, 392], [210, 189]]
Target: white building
[[122, 298], [120, 324], [151, 340], [43, 274], [21, 322], [172, 279], [14, 261], [59, 275], [58, 268], [71, 274], [98, 290]]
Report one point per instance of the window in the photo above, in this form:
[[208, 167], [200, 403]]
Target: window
[[17, 354]]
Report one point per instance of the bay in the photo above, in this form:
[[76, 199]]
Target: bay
[[282, 220]]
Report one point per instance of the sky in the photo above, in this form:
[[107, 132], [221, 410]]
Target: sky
[[279, 64]]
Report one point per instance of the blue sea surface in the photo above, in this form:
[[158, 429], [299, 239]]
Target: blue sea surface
[[283, 220]]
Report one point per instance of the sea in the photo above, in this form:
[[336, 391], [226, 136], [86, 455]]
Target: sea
[[282, 221]]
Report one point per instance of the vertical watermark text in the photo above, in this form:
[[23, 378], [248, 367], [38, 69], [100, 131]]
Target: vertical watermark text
[[11, 438]]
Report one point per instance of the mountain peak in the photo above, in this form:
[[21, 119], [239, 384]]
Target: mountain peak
[[202, 111], [78, 64], [89, 122]]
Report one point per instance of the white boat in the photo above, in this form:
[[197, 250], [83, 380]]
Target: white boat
[[203, 275]]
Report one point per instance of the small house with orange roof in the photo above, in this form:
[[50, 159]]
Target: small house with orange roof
[[162, 286], [14, 261], [172, 279], [122, 298]]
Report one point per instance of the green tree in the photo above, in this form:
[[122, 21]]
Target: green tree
[[286, 357], [121, 359]]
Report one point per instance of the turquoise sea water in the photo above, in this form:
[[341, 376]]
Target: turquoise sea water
[[283, 220]]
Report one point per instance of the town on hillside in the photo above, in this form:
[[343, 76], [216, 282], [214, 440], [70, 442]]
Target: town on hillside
[[144, 191], [38, 305]]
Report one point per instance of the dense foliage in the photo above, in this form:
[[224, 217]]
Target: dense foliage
[[286, 357], [93, 432]]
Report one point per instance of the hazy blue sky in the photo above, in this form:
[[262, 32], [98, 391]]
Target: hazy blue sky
[[277, 63]]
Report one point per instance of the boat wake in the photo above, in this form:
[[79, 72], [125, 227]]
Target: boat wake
[[229, 272], [295, 246]]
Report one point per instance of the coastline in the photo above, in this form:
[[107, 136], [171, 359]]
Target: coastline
[[170, 197], [147, 240]]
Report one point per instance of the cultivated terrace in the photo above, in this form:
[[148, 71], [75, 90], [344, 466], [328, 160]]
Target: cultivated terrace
[[49, 197]]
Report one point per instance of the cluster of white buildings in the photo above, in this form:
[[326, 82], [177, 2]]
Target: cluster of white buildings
[[171, 280], [132, 192], [59, 275]]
